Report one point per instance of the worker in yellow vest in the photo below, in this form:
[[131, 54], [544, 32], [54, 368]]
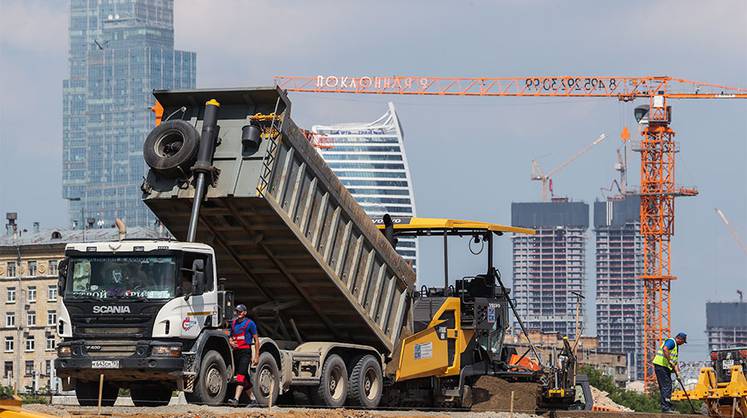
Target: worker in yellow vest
[[665, 362]]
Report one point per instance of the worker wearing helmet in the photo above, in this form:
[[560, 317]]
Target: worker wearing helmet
[[243, 334], [665, 362]]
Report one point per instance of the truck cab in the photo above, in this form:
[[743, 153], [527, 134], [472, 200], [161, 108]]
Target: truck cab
[[137, 311]]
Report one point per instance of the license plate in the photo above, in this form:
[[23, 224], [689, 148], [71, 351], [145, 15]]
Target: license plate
[[727, 364], [105, 364]]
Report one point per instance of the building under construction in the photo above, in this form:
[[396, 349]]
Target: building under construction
[[549, 266], [619, 292], [726, 324]]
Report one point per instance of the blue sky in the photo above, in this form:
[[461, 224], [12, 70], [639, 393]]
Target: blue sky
[[470, 157]]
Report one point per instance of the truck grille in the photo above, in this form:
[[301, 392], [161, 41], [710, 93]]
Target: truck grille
[[96, 348], [87, 332]]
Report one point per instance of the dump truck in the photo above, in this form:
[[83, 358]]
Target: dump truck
[[261, 219], [723, 386]]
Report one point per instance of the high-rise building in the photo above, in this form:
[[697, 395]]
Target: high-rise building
[[549, 266], [119, 52], [726, 324], [619, 291], [370, 160]]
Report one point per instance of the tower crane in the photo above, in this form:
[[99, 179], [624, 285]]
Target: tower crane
[[546, 179], [657, 149], [732, 230]]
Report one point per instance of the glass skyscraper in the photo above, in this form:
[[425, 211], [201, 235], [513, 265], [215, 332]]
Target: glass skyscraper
[[120, 50], [370, 160]]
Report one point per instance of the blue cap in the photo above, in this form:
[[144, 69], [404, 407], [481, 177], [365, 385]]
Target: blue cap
[[682, 336], [240, 307]]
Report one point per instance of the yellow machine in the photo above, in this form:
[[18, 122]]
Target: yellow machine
[[723, 387], [458, 329]]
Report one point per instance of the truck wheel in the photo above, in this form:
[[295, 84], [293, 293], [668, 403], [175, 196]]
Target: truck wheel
[[150, 395], [211, 383], [333, 385], [366, 383], [171, 148], [87, 393], [266, 380]]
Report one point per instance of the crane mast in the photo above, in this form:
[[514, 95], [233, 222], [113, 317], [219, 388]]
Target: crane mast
[[658, 149]]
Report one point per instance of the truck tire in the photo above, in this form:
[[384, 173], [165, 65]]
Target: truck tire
[[150, 395], [333, 384], [266, 380], [87, 393], [211, 383], [366, 383], [171, 148]]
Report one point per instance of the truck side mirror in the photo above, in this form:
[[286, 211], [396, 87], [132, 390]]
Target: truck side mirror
[[62, 276], [198, 277]]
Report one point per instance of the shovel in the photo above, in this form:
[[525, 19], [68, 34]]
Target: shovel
[[687, 395]]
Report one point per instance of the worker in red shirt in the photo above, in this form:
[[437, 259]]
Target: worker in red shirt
[[243, 334]]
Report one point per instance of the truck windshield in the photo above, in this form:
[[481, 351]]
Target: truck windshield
[[121, 277]]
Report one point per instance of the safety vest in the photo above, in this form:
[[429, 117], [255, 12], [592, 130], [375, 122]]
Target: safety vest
[[239, 333], [661, 360]]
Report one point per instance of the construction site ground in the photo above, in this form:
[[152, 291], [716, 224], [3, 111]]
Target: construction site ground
[[197, 411], [492, 399]]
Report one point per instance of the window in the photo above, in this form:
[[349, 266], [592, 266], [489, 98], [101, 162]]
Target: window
[[30, 343], [52, 293], [9, 344], [52, 318], [31, 318], [11, 269], [51, 343], [29, 367], [11, 295], [8, 373], [10, 319], [52, 270], [32, 268], [32, 294], [48, 367]]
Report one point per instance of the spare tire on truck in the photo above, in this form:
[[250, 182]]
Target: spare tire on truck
[[171, 148]]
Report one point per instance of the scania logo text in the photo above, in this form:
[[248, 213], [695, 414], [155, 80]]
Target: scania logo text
[[111, 309]]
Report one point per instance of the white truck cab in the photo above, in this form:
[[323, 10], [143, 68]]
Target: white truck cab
[[141, 311]]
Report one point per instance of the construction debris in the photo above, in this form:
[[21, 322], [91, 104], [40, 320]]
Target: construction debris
[[602, 400]]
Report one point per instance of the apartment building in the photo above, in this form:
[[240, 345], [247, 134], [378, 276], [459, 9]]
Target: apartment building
[[619, 291], [549, 268], [726, 324]]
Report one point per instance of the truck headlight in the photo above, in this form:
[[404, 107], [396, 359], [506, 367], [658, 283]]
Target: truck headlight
[[166, 351], [64, 351]]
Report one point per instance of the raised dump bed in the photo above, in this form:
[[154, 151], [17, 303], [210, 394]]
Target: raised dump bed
[[289, 238]]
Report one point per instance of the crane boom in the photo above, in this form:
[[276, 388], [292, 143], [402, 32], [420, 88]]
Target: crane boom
[[623, 88], [732, 230], [546, 179]]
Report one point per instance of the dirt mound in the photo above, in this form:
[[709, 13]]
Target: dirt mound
[[494, 394]]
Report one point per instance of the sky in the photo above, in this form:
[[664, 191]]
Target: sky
[[470, 157]]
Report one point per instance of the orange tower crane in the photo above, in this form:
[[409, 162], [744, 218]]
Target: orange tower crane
[[657, 150]]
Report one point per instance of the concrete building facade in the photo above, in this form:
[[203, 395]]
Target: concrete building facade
[[29, 299], [550, 266], [119, 52], [370, 160], [726, 324], [619, 291]]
